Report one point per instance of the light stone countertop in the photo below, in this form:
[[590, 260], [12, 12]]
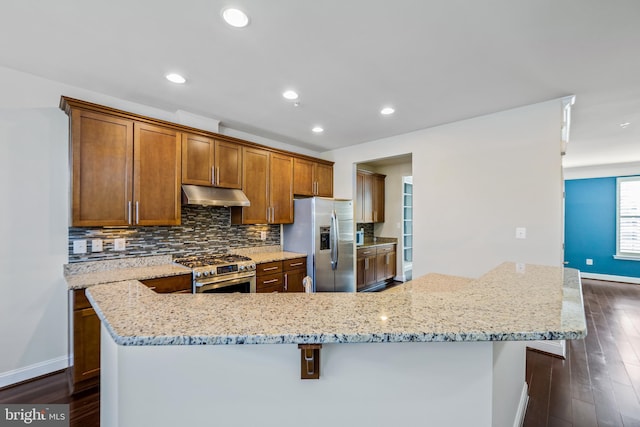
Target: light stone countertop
[[263, 257], [539, 303], [84, 274]]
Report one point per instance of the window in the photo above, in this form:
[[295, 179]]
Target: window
[[628, 245]]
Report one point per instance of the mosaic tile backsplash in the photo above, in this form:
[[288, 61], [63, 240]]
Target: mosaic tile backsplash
[[204, 229]]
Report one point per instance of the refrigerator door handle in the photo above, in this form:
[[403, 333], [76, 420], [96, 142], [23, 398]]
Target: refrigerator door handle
[[335, 233]]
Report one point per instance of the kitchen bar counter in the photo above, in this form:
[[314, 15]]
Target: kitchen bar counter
[[449, 343], [510, 303]]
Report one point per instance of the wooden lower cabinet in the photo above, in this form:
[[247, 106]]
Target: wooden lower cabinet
[[84, 336], [375, 265], [281, 276]]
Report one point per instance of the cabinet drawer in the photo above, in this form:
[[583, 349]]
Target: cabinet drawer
[[269, 268], [164, 285], [269, 283], [366, 252], [295, 264], [385, 249], [80, 300]]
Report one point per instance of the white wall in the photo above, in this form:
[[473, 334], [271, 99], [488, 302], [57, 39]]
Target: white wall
[[34, 218], [475, 181], [600, 171]]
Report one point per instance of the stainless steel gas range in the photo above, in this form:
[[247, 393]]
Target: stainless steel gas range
[[227, 273]]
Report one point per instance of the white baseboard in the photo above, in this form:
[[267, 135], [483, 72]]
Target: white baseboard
[[553, 347], [522, 406], [610, 277], [32, 371]]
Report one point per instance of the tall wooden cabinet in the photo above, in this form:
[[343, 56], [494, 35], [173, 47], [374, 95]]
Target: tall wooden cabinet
[[211, 162], [370, 198], [124, 172], [267, 179], [312, 178]]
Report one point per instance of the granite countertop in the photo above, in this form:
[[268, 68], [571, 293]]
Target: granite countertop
[[511, 302], [261, 258], [378, 241], [84, 274]]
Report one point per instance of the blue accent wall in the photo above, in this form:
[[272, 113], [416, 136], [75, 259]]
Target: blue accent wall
[[590, 228]]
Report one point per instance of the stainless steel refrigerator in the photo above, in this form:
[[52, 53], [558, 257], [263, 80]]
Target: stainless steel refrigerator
[[323, 229]]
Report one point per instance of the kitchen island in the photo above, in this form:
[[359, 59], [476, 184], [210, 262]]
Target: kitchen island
[[427, 353]]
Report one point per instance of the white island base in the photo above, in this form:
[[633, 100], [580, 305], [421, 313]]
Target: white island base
[[374, 384]]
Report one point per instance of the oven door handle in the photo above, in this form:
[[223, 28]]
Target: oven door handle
[[223, 283]]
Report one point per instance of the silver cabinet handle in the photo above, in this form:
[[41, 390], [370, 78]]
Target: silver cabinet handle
[[137, 212], [218, 176], [269, 281], [270, 268], [213, 175], [286, 281], [129, 214], [295, 264]]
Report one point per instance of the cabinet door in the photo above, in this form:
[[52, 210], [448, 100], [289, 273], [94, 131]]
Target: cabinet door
[[391, 265], [367, 197], [378, 198], [165, 285], [255, 184], [360, 264], [381, 267], [294, 271], [304, 183], [86, 345], [281, 189], [324, 180], [228, 165], [102, 162], [359, 197], [197, 159], [156, 169]]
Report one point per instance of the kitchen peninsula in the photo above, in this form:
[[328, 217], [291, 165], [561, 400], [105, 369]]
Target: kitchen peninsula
[[426, 353]]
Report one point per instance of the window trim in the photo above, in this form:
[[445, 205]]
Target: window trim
[[629, 256]]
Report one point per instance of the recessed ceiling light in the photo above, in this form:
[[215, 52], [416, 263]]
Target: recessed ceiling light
[[317, 129], [235, 17], [387, 111], [175, 78], [290, 95], [624, 125]]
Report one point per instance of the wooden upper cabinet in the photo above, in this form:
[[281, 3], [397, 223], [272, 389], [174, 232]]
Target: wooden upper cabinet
[[378, 198], [281, 189], [268, 183], [210, 162], [369, 197], [124, 172], [197, 159], [324, 180], [228, 164], [102, 169], [255, 179], [312, 178], [156, 177]]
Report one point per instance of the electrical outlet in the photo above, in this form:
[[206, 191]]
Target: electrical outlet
[[521, 233], [263, 235], [119, 244], [589, 261], [79, 246], [96, 245]]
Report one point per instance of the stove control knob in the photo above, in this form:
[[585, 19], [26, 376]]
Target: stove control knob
[[253, 266], [212, 272], [198, 274], [205, 273], [242, 268]]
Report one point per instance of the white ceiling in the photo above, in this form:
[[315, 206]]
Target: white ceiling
[[434, 61]]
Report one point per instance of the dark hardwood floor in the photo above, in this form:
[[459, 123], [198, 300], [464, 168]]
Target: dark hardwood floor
[[597, 385], [599, 382]]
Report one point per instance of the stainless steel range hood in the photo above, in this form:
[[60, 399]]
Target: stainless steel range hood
[[212, 196]]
